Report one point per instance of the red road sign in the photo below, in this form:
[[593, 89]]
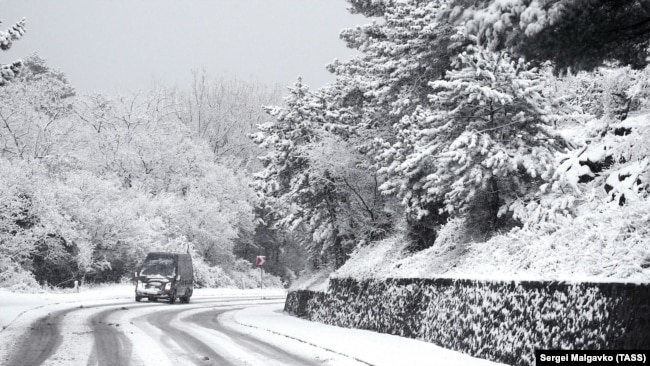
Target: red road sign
[[261, 260]]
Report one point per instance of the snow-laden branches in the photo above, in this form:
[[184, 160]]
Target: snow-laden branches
[[485, 132], [89, 184], [10, 71], [314, 180], [12, 34], [574, 34]]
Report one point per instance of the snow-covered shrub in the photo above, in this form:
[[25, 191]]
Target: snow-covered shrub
[[241, 275], [372, 260], [210, 276], [15, 278], [613, 162], [245, 275], [452, 234], [604, 242], [607, 92]]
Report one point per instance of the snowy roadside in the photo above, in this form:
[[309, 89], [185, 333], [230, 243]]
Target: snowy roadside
[[368, 347], [14, 305]]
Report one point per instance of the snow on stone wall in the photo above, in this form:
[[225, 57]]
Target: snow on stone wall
[[500, 321]]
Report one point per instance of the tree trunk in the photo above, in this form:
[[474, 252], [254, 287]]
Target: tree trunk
[[493, 203]]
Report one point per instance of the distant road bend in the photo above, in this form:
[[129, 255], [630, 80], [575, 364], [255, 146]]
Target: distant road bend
[[122, 332]]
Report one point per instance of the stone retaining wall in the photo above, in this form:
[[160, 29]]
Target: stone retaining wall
[[499, 321]]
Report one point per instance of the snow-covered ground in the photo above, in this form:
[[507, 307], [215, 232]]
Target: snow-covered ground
[[600, 241], [593, 249], [14, 305], [368, 347], [335, 345]]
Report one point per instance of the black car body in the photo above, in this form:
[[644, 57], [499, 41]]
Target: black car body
[[167, 276]]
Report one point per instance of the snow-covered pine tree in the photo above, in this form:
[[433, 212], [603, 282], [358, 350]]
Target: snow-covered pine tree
[[373, 91], [315, 180], [575, 34], [399, 57], [369, 8], [287, 185], [291, 128], [390, 79], [483, 144], [10, 71]]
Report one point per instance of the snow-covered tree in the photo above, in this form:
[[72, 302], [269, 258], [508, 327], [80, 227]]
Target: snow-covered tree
[[224, 112], [389, 80], [316, 181], [369, 8], [139, 138], [286, 185], [484, 143], [576, 34], [285, 253], [10, 71], [400, 54], [16, 221], [32, 110], [94, 182]]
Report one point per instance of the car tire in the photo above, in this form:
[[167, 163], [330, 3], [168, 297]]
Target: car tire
[[186, 298]]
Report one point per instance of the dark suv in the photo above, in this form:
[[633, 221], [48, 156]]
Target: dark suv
[[167, 276]]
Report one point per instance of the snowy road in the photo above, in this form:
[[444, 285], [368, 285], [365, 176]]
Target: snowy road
[[128, 333], [218, 327]]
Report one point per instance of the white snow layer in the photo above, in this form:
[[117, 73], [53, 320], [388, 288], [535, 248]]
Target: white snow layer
[[333, 345]]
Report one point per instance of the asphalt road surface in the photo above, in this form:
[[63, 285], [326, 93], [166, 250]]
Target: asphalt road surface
[[121, 332]]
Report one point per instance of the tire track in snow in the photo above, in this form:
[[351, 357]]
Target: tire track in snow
[[42, 339], [43, 336], [111, 346], [194, 349], [210, 319], [192, 346]]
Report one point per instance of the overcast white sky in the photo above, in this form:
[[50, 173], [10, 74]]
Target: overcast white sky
[[111, 45]]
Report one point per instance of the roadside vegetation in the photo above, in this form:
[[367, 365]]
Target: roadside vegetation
[[490, 137], [472, 138]]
